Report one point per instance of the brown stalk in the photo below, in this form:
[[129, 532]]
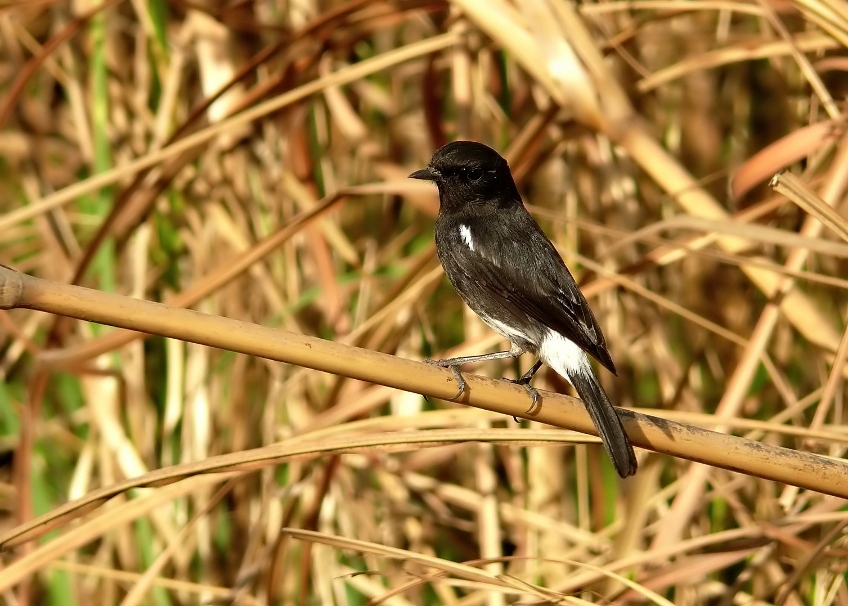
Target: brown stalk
[[779, 464]]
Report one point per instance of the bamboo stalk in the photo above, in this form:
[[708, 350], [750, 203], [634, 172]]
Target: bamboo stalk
[[805, 470]]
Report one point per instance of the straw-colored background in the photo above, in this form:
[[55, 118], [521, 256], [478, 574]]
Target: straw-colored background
[[248, 160]]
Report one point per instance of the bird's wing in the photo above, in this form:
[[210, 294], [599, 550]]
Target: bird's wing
[[525, 274]]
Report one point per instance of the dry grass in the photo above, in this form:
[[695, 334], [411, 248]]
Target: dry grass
[[249, 161]]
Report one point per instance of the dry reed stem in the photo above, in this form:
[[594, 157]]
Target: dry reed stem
[[18, 290]]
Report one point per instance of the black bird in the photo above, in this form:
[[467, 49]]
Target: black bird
[[508, 272]]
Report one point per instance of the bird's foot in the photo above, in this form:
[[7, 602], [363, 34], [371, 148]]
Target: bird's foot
[[454, 370], [525, 383]]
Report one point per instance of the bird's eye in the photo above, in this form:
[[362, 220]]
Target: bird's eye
[[474, 174]]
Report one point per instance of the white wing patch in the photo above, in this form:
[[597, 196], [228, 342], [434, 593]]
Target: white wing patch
[[563, 355], [465, 234]]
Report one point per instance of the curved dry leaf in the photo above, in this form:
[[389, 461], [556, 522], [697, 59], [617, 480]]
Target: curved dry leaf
[[252, 460], [831, 64], [787, 150]]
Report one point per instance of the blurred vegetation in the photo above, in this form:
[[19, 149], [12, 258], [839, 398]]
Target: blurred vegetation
[[148, 147]]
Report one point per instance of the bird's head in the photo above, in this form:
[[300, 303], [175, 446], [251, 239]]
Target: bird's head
[[467, 172]]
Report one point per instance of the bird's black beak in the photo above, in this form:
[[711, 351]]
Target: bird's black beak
[[425, 174]]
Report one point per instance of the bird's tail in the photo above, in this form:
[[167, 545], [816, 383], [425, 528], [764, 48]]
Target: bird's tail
[[606, 420]]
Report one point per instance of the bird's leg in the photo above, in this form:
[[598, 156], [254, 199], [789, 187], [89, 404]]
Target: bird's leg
[[528, 376], [453, 364], [525, 379]]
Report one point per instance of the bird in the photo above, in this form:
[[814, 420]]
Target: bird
[[508, 272]]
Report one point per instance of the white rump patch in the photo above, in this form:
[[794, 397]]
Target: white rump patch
[[465, 233], [563, 355]]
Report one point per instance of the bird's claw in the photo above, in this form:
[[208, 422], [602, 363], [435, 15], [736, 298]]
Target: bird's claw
[[456, 375], [534, 395]]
